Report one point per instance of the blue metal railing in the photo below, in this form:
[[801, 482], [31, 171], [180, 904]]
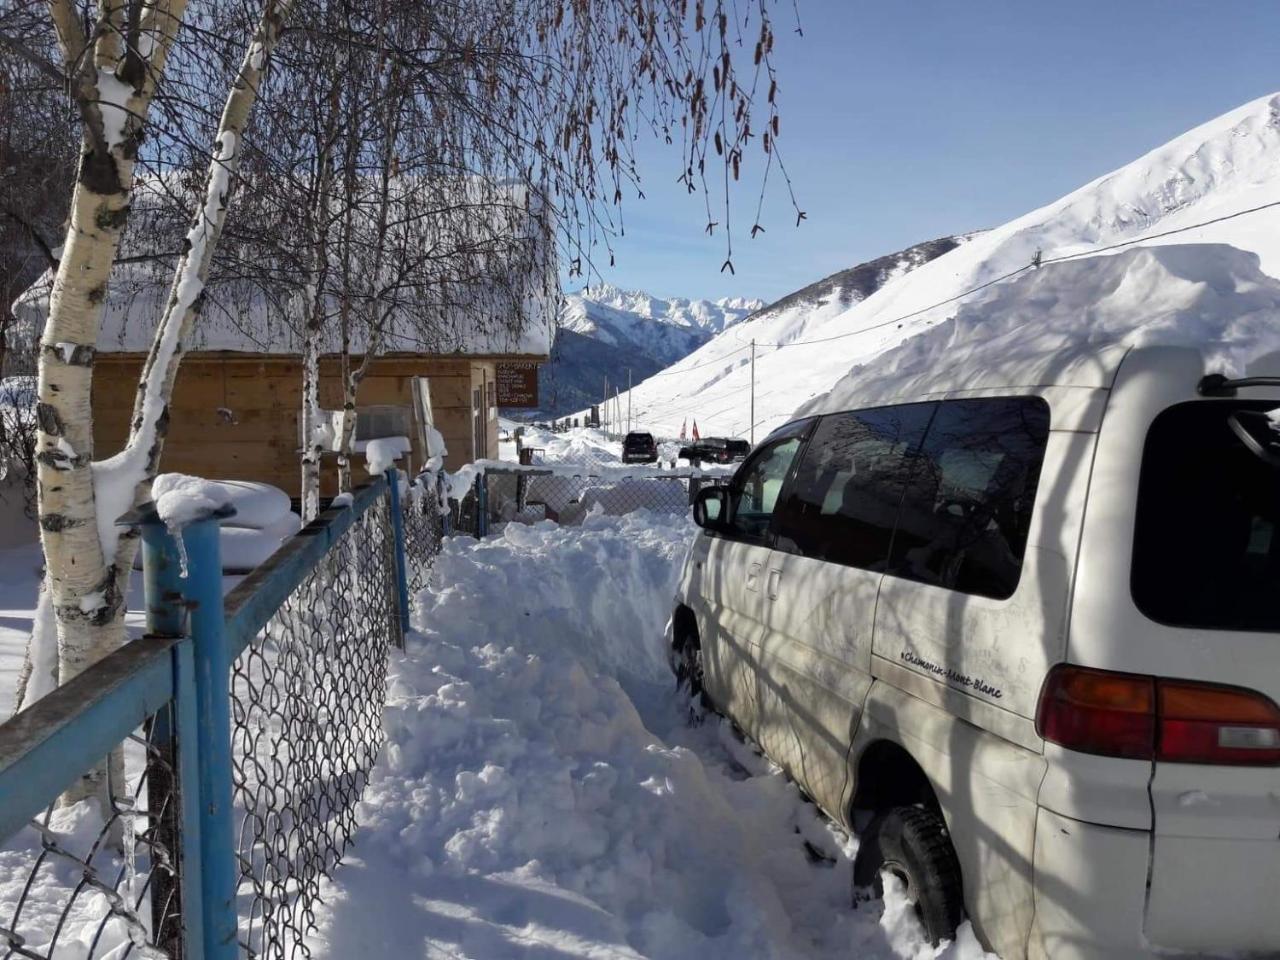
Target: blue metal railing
[[177, 682]]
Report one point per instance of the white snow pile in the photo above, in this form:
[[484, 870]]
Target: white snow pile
[[263, 517], [381, 454], [542, 793], [182, 500], [1211, 296], [1228, 165]]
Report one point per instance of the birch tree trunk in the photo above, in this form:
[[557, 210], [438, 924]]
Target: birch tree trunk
[[113, 93], [87, 558]]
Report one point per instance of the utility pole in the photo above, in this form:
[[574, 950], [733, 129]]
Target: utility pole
[[629, 424], [604, 406], [753, 391]]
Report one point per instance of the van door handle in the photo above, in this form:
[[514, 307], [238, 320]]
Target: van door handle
[[753, 576], [775, 578]]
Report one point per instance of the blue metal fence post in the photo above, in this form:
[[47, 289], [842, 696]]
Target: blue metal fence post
[[176, 898], [202, 590], [397, 527], [482, 506]]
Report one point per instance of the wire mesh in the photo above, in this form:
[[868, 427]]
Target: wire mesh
[[307, 699], [98, 878], [530, 495], [423, 530]]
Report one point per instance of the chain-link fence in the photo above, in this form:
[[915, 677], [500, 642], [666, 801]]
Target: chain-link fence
[[301, 647], [423, 531], [568, 494], [307, 696], [99, 878]]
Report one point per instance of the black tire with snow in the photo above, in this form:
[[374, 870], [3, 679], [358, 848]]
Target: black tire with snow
[[913, 843], [686, 664]]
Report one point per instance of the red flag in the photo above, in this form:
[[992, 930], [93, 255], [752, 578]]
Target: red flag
[[683, 424], [695, 431]]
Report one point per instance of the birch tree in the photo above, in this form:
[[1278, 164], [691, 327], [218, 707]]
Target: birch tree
[[550, 94], [113, 68]]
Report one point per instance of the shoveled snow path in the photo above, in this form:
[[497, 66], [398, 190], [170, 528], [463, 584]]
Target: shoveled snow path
[[543, 793]]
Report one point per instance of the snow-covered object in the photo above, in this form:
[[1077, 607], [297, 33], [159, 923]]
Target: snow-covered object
[[381, 454], [244, 548], [251, 319], [181, 500], [1225, 166], [1070, 322], [543, 794], [263, 516], [257, 504]]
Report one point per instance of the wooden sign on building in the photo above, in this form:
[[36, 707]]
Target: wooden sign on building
[[517, 384]]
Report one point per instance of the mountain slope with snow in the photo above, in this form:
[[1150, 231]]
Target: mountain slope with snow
[[1226, 166], [608, 332]]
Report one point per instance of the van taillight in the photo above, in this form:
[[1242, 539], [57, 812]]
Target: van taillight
[[1145, 718]]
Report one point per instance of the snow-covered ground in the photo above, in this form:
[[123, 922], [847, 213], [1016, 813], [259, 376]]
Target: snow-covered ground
[[544, 793], [18, 590], [1225, 166]]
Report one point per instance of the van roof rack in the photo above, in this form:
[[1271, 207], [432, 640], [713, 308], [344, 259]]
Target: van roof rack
[[1217, 385]]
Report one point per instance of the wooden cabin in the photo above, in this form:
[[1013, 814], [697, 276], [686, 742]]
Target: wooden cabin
[[237, 402], [235, 415]]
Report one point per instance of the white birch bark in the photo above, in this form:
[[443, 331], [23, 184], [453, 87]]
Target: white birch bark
[[113, 93], [87, 558]]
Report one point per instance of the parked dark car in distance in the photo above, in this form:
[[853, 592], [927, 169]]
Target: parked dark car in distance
[[715, 450], [639, 448]]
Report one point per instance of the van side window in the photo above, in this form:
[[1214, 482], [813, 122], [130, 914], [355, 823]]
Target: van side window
[[844, 500], [967, 511], [753, 494]]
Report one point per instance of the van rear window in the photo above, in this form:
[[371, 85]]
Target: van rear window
[[1206, 552]]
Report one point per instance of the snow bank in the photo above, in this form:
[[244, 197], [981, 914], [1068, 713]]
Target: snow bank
[[543, 795], [1064, 315]]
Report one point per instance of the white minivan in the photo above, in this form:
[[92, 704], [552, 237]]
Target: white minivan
[[1020, 629]]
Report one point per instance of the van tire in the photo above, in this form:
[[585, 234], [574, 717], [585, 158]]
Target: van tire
[[913, 843], [686, 663]]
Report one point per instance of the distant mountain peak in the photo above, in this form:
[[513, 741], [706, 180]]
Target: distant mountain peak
[[606, 331]]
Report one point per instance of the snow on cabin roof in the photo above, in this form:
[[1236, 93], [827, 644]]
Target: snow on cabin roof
[[246, 317], [1071, 323], [252, 324]]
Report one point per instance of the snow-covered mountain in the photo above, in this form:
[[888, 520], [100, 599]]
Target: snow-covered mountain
[[607, 332], [1197, 184]]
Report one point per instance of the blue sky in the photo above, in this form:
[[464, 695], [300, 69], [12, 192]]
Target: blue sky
[[904, 120]]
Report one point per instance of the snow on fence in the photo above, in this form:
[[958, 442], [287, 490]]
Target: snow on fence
[[249, 726], [568, 493]]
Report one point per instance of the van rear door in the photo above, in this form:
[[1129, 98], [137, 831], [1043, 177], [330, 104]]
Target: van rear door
[[1206, 568]]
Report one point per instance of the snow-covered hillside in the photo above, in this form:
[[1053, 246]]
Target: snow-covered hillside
[[1217, 170], [607, 332]]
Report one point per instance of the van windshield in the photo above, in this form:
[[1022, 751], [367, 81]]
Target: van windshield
[[1206, 550]]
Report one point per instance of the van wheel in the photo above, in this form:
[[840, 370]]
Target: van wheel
[[912, 843], [686, 662]]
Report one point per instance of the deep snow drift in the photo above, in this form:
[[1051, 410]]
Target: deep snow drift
[[1210, 296], [1220, 168], [542, 793]]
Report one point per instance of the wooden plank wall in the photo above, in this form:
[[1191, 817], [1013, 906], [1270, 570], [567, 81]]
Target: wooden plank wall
[[257, 438]]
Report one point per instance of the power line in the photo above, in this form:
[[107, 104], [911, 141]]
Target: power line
[[1035, 263], [698, 366], [1039, 261]]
